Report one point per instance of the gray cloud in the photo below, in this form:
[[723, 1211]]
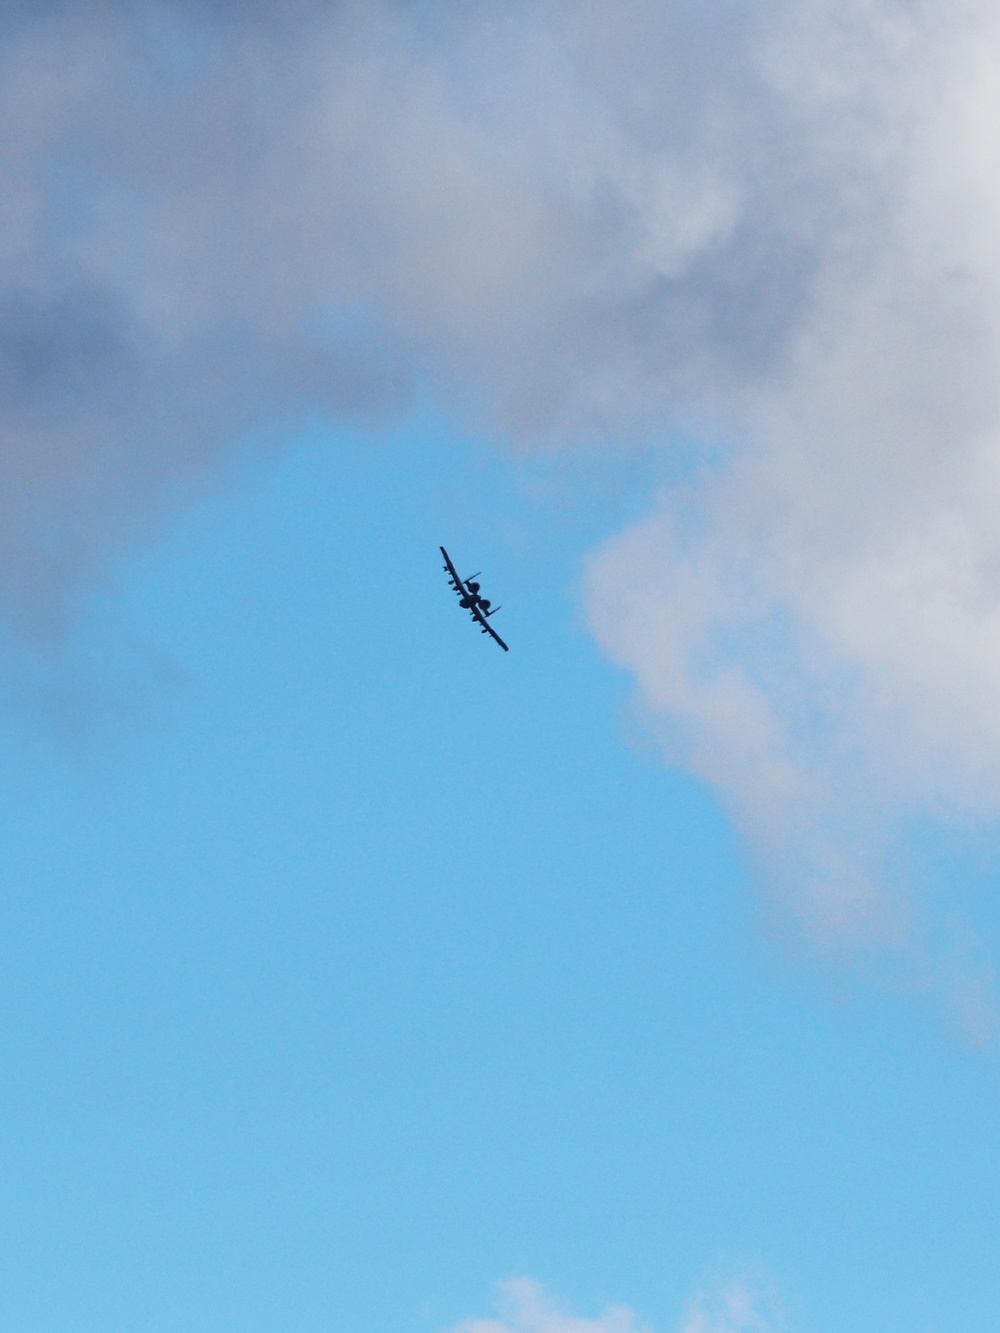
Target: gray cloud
[[581, 221]]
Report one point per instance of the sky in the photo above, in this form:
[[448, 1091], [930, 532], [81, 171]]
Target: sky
[[353, 973]]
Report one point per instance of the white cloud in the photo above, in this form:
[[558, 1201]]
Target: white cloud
[[524, 1306], [819, 619], [730, 1307]]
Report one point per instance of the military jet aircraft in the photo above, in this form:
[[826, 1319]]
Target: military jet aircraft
[[480, 608]]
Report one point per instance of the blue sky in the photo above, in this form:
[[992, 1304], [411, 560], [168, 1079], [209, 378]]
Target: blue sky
[[355, 975], [380, 966]]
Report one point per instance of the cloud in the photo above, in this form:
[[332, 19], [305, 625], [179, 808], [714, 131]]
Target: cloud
[[815, 624], [524, 1306], [580, 221], [575, 218], [729, 1307]]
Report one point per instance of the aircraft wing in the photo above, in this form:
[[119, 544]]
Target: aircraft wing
[[449, 568], [478, 616]]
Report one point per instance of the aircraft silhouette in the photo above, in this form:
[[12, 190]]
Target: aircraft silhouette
[[468, 594]]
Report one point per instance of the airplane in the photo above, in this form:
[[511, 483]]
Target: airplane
[[480, 608]]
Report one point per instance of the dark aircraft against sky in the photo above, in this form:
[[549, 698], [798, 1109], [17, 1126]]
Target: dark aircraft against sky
[[480, 608]]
